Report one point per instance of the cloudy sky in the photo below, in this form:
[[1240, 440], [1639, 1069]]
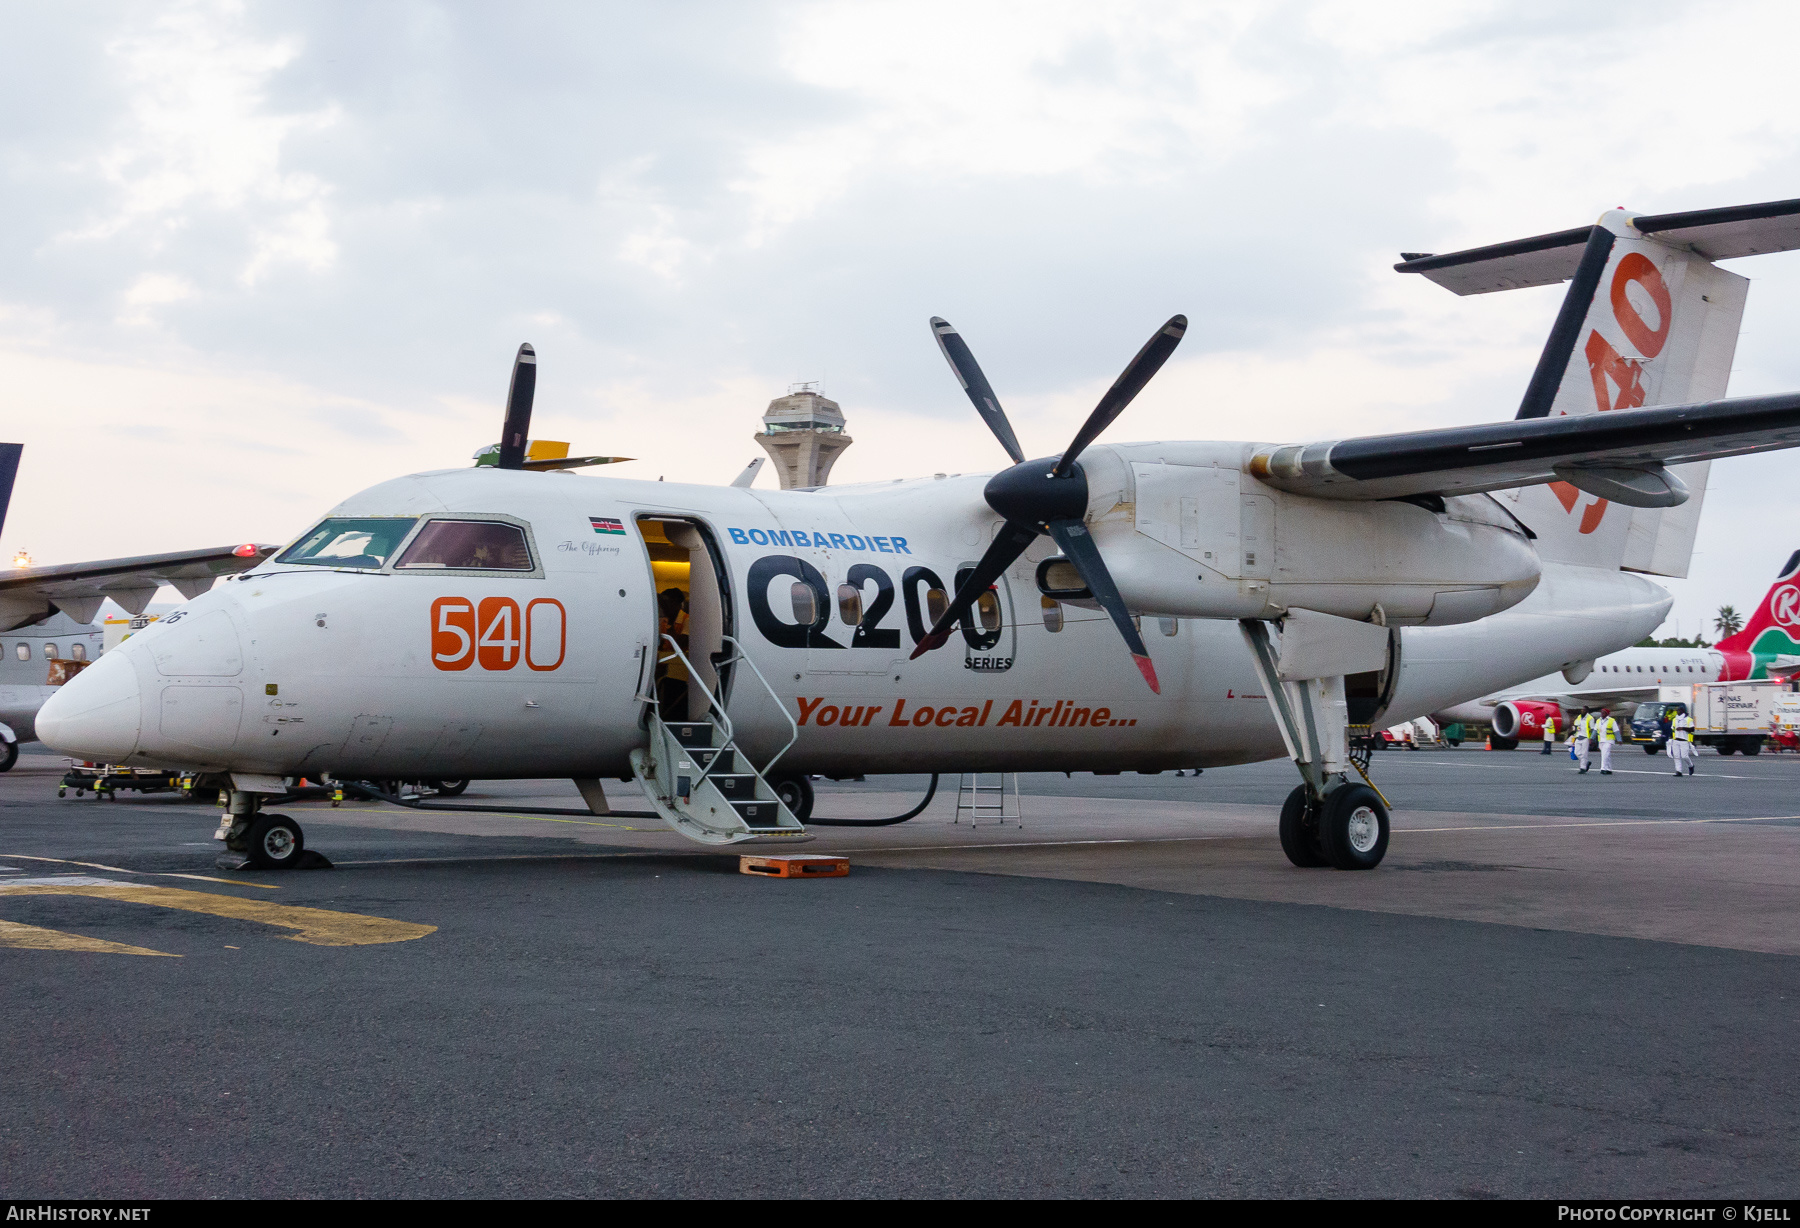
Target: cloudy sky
[[258, 256]]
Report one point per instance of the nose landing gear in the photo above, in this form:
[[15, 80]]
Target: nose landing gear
[[258, 841]]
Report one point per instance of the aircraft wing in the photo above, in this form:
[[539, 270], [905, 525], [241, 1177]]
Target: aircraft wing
[[32, 594], [1619, 699], [1618, 455]]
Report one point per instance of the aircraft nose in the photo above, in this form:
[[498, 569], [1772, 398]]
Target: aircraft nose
[[96, 714]]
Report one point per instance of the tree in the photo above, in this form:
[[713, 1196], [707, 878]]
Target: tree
[[1728, 622]]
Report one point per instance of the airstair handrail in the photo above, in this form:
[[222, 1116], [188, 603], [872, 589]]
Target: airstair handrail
[[793, 725], [712, 702]]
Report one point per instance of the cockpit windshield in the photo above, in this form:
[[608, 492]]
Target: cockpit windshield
[[350, 543], [473, 545]]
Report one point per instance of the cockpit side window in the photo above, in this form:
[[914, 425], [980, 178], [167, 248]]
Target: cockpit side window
[[345, 542], [468, 545]]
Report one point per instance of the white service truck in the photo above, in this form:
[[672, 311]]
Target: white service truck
[[1734, 716]]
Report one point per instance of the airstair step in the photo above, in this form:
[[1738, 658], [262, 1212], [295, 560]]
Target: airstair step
[[724, 761], [736, 787], [692, 733], [758, 813]]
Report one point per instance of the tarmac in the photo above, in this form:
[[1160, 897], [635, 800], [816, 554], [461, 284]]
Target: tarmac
[[1556, 986]]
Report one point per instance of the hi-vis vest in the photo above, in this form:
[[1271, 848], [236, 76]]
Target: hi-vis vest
[[1584, 726], [1549, 729], [1682, 728], [1609, 730]]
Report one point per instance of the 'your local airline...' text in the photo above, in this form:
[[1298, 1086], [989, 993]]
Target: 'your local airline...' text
[[818, 541]]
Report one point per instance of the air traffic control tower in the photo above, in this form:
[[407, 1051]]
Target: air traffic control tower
[[803, 433]]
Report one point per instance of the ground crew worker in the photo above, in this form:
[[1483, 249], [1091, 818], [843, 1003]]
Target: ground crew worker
[[1549, 733], [1607, 730], [1681, 742], [1584, 737]]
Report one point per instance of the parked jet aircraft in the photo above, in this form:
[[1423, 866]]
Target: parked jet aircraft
[[1622, 680], [52, 611], [501, 623]]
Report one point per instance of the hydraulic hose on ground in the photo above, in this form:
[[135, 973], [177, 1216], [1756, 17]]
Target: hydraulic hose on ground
[[374, 794], [914, 813]]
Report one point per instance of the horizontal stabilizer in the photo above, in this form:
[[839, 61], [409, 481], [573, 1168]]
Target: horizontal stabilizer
[[1544, 260], [573, 462]]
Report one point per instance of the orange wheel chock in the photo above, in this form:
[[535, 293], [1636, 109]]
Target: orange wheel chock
[[795, 867]]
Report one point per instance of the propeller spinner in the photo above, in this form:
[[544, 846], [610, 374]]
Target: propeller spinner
[[1048, 495]]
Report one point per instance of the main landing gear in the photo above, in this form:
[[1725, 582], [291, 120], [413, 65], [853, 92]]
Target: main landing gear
[[1327, 820]]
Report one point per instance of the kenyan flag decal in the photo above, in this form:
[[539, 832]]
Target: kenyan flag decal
[[606, 524]]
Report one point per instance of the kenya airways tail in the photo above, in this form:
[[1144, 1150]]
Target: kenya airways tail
[[1648, 320], [1773, 630]]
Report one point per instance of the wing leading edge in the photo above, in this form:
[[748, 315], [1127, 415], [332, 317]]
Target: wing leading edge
[[32, 594]]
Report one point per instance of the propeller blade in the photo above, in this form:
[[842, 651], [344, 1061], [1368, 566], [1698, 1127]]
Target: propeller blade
[[956, 353], [518, 410], [1008, 545], [1131, 381], [1078, 547]]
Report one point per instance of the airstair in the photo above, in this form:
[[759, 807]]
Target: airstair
[[697, 778]]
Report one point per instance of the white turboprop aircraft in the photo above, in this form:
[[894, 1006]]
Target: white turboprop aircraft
[[495, 622]]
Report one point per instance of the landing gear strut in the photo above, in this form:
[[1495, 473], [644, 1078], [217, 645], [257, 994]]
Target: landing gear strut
[[1327, 820]]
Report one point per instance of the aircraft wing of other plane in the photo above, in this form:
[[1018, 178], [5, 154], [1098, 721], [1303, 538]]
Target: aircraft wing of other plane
[[1617, 698], [1618, 455], [31, 594]]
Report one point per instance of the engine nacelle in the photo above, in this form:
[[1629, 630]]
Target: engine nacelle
[[1186, 532], [1523, 719]]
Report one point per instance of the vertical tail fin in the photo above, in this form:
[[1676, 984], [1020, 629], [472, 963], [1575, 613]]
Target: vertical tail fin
[[1648, 319], [9, 469], [1773, 629], [1658, 326]]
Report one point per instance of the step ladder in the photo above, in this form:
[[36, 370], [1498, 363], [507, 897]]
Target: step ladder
[[986, 804], [699, 781]]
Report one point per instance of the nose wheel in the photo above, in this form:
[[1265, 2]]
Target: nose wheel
[[275, 842]]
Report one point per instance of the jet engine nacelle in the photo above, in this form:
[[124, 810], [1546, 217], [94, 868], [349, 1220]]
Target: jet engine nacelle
[[1186, 532], [1524, 718]]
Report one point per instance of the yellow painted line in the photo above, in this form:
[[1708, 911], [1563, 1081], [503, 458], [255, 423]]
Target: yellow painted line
[[207, 878], [31, 938], [94, 865], [318, 926]]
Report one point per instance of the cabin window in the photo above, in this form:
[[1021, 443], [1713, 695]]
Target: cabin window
[[1170, 626], [1053, 614], [468, 545], [22, 651], [78, 651], [49, 652], [344, 542], [987, 611]]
